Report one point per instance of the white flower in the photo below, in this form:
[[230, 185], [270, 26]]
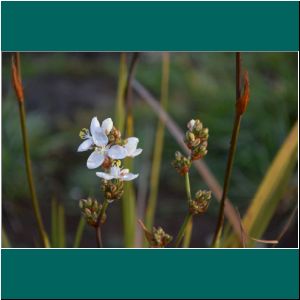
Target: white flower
[[131, 145], [116, 172], [191, 124], [98, 141]]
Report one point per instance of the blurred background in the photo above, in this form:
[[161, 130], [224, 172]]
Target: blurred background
[[64, 91]]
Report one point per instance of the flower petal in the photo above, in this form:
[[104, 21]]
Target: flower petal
[[129, 176], [137, 152], [107, 125], [104, 175], [115, 171], [131, 145], [100, 138], [117, 152], [85, 145], [95, 125], [95, 160]]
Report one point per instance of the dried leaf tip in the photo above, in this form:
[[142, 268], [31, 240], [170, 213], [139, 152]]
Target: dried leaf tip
[[242, 103], [16, 80]]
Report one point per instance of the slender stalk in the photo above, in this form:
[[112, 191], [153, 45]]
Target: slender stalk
[[158, 145], [188, 235], [35, 202], [189, 227], [188, 187], [54, 223], [17, 83], [98, 228], [182, 230], [128, 203], [98, 236], [231, 154], [79, 232], [120, 109]]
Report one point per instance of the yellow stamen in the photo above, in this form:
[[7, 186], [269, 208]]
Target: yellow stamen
[[83, 133], [116, 163]]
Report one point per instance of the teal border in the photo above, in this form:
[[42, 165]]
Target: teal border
[[150, 26], [156, 273]]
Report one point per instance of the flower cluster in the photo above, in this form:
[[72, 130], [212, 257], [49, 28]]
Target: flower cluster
[[108, 149], [91, 209], [200, 204], [157, 238], [196, 140]]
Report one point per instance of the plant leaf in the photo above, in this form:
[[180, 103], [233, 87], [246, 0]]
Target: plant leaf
[[269, 193]]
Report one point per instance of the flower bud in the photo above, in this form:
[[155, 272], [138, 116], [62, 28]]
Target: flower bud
[[190, 136], [203, 134], [191, 124], [201, 202], [112, 189], [115, 136], [181, 163], [198, 126], [90, 209], [178, 155]]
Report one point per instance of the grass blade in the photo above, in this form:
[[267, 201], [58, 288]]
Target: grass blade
[[61, 227], [54, 237], [5, 243], [270, 191], [128, 201], [158, 145], [79, 232], [120, 109]]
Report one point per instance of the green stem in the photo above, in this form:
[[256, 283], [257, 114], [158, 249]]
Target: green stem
[[79, 232], [188, 235], [34, 199], [188, 187], [182, 230], [189, 227]]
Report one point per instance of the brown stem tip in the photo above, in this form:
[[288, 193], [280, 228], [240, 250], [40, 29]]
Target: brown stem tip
[[17, 84], [242, 103]]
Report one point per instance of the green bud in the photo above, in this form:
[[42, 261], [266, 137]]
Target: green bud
[[201, 202]]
